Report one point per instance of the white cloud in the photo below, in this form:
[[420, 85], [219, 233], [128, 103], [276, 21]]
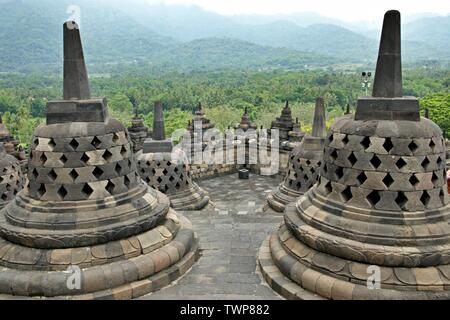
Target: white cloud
[[351, 10]]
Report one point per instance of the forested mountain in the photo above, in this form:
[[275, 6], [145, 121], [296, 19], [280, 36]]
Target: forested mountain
[[185, 38]]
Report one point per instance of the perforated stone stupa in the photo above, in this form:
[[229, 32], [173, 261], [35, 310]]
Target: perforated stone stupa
[[304, 164], [11, 177], [11, 145], [167, 169], [86, 226], [378, 219]]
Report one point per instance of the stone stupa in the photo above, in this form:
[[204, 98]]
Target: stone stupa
[[11, 178], [377, 224], [11, 145], [138, 132], [166, 169], [284, 124], [245, 123], [304, 164], [86, 226]]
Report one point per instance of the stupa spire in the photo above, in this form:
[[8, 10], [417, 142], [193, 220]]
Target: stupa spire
[[319, 129], [76, 82], [158, 123], [388, 76]]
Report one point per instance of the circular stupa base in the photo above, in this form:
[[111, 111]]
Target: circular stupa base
[[297, 271], [193, 199], [118, 270], [279, 199]]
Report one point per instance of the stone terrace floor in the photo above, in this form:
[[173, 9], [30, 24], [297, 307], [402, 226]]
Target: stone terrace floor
[[230, 235]]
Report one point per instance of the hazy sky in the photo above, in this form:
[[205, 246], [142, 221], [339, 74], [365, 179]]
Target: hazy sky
[[350, 10]]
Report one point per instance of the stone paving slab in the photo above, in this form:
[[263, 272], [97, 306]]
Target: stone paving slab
[[230, 232]]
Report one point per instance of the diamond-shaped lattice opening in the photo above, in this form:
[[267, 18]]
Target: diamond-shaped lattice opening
[[62, 192], [166, 188], [176, 170], [425, 198], [171, 178], [96, 142], [329, 187], [159, 180], [413, 180], [388, 145], [312, 170], [4, 197], [373, 198], [107, 155], [365, 142], [52, 175], [388, 180], [334, 154], [401, 200], [63, 159], [34, 173], [118, 169], [127, 182], [413, 147], [110, 187], [400, 163], [435, 179], [178, 185], [352, 159], [41, 191], [8, 187], [52, 144], [299, 185], [74, 144], [345, 140], [425, 163], [85, 158], [87, 190], [375, 161], [301, 169], [347, 194], [142, 170], [442, 196], [74, 174], [153, 171], [308, 163], [432, 145], [339, 173], [331, 138], [97, 173], [439, 161], [123, 151], [165, 172], [43, 158], [115, 138], [325, 169]]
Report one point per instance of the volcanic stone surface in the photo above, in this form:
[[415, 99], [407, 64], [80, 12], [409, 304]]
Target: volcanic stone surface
[[167, 169], [378, 219], [11, 178], [304, 165], [86, 226]]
